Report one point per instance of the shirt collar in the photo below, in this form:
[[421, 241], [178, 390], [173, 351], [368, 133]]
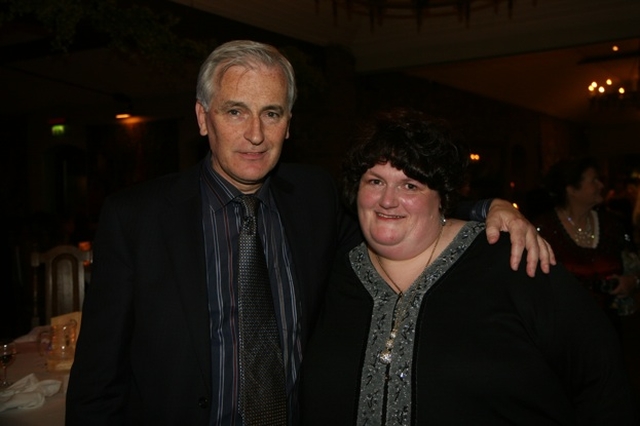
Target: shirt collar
[[222, 192]]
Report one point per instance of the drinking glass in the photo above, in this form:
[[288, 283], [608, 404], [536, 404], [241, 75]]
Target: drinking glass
[[7, 356]]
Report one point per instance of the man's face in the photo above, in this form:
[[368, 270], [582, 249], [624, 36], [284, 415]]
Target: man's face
[[247, 123]]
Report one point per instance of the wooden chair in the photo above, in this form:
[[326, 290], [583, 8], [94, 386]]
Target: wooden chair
[[64, 280]]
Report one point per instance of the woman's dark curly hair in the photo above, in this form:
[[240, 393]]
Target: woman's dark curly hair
[[566, 172], [423, 148]]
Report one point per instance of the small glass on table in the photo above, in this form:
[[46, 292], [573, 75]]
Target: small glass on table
[[7, 356]]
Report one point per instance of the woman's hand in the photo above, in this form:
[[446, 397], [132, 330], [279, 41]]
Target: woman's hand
[[502, 216]]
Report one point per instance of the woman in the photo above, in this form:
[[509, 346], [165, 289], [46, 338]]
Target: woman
[[589, 242], [425, 323]]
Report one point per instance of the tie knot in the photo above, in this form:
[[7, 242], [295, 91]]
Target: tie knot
[[250, 204]]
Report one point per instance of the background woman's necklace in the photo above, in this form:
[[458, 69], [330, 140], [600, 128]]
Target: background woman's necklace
[[583, 236], [387, 354]]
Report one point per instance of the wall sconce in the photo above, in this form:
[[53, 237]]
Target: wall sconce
[[125, 106]]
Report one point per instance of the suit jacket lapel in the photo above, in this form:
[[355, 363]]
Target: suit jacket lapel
[[294, 223], [182, 225]]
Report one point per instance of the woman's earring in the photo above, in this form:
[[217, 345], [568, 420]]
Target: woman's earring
[[443, 220]]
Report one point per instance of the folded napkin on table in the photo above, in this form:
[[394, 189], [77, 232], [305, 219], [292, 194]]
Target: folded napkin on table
[[27, 393]]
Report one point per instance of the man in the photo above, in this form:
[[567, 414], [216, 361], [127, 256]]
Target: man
[[159, 342]]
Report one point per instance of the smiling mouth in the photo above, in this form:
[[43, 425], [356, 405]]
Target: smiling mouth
[[388, 216]]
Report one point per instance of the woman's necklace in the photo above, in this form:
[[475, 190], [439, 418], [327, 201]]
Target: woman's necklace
[[387, 354], [583, 236]]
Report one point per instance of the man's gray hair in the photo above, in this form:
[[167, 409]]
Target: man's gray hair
[[243, 53]]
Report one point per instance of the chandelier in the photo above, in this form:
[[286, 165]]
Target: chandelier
[[615, 92], [417, 10]]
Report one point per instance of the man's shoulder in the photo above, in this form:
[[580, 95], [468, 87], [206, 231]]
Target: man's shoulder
[[181, 184]]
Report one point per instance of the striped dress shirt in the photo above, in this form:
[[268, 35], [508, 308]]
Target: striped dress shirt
[[222, 220]]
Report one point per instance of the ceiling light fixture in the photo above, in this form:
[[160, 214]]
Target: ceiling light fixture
[[379, 10], [616, 92]]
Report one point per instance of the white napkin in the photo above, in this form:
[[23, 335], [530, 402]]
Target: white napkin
[[27, 393]]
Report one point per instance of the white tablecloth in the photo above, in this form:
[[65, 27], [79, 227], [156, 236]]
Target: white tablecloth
[[52, 412]]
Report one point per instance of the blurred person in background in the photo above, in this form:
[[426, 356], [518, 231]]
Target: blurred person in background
[[588, 240], [621, 199]]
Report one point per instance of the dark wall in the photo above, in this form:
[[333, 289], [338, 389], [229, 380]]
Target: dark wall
[[514, 144]]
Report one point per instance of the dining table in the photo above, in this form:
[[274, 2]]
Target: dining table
[[51, 413]]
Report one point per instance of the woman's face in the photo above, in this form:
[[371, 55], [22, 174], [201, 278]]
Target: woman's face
[[590, 191], [399, 216]]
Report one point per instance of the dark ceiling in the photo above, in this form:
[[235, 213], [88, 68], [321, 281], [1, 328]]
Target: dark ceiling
[[541, 54], [542, 58]]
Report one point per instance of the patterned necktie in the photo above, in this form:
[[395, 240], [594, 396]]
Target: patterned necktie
[[263, 399]]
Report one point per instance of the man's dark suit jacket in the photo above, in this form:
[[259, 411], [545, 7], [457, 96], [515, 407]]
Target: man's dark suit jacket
[[143, 354]]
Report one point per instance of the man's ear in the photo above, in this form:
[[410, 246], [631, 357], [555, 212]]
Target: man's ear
[[201, 116], [286, 136]]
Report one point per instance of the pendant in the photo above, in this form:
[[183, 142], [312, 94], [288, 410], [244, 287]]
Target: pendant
[[386, 356]]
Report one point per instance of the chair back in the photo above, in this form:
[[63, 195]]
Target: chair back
[[64, 278]]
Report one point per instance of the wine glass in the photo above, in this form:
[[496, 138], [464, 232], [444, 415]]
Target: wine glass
[[7, 356]]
